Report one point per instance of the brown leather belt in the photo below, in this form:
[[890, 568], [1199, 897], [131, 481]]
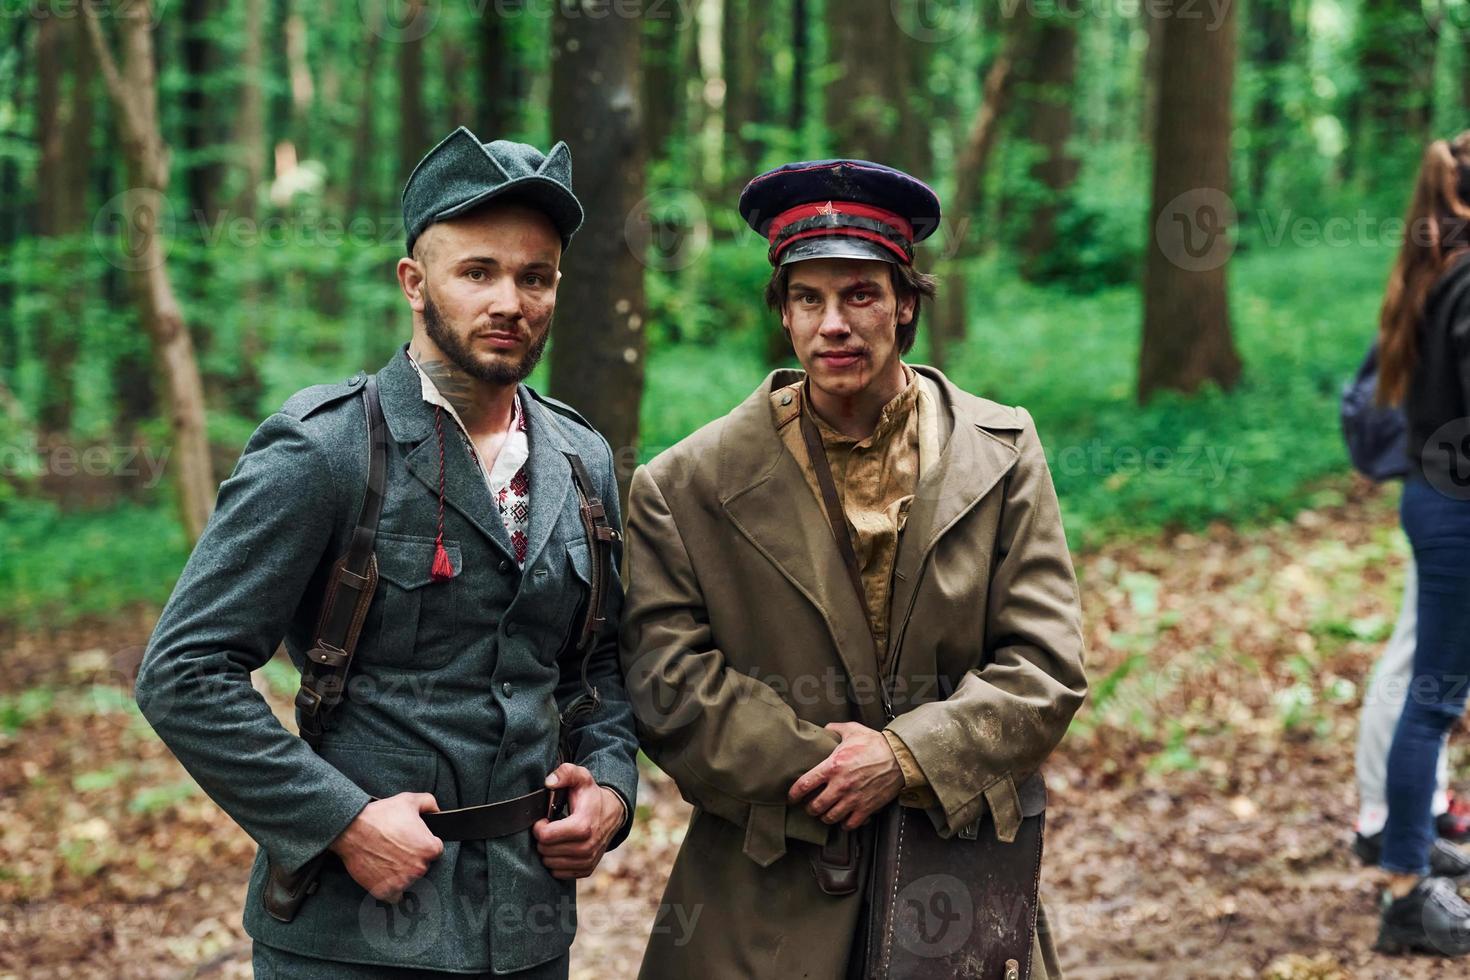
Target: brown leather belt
[[495, 819]]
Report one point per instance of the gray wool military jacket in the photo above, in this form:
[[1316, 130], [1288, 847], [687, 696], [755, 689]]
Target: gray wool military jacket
[[455, 688]]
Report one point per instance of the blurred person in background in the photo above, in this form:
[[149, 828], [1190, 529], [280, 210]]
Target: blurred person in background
[[1424, 345]]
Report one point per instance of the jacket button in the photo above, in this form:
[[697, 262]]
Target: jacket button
[[506, 688], [504, 566], [510, 629]]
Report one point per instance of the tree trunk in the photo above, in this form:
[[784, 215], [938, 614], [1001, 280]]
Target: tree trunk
[[741, 59], [303, 85], [1148, 116], [502, 74], [971, 163], [1045, 113], [64, 136], [1272, 36], [1465, 70], [800, 63], [363, 184], [1186, 319], [201, 136], [413, 126], [663, 81], [597, 360], [871, 66], [132, 85], [1396, 48], [250, 146]]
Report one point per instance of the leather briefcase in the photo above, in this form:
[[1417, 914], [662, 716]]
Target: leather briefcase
[[959, 907]]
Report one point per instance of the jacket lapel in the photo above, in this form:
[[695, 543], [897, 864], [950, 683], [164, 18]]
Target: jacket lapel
[[411, 422], [550, 473], [972, 463], [767, 499]]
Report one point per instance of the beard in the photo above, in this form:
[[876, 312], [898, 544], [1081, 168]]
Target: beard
[[497, 372]]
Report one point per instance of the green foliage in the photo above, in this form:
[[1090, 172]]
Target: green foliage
[[1302, 317], [20, 709], [152, 799], [56, 566]]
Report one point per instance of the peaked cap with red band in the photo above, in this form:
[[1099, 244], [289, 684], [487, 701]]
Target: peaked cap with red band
[[840, 209]]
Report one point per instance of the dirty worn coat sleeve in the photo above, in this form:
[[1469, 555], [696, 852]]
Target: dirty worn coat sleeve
[[271, 527], [1006, 716], [730, 742]]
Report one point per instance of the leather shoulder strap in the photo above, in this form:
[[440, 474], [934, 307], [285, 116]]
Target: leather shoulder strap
[[349, 591], [836, 516], [600, 538]]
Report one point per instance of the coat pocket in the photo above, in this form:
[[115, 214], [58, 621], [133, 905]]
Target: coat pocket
[[574, 590], [419, 617], [380, 770]]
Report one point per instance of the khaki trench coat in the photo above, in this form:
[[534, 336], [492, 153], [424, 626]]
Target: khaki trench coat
[[742, 637]]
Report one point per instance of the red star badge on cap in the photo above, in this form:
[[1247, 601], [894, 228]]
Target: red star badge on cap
[[827, 210]]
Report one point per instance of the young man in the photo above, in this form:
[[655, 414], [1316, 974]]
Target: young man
[[469, 648], [850, 593]]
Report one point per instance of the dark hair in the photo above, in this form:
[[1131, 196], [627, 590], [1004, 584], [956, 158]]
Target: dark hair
[[907, 282], [1433, 239]]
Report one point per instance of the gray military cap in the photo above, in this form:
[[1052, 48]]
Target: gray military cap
[[461, 173]]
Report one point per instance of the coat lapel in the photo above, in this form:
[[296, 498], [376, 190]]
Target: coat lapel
[[971, 463], [411, 422], [550, 473], [767, 499]]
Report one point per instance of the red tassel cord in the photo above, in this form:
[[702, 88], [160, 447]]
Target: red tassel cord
[[441, 570]]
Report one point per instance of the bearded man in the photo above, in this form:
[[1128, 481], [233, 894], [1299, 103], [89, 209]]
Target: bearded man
[[851, 604], [406, 833]]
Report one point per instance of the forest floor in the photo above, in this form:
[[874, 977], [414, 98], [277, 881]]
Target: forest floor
[[1200, 815]]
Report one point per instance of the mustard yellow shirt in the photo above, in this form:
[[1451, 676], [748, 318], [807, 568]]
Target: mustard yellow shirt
[[876, 479]]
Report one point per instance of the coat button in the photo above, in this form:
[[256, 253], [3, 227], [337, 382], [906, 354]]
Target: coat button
[[504, 566], [506, 688], [510, 629]]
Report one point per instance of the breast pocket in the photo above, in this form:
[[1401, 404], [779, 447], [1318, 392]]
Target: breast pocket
[[573, 592], [419, 625]]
